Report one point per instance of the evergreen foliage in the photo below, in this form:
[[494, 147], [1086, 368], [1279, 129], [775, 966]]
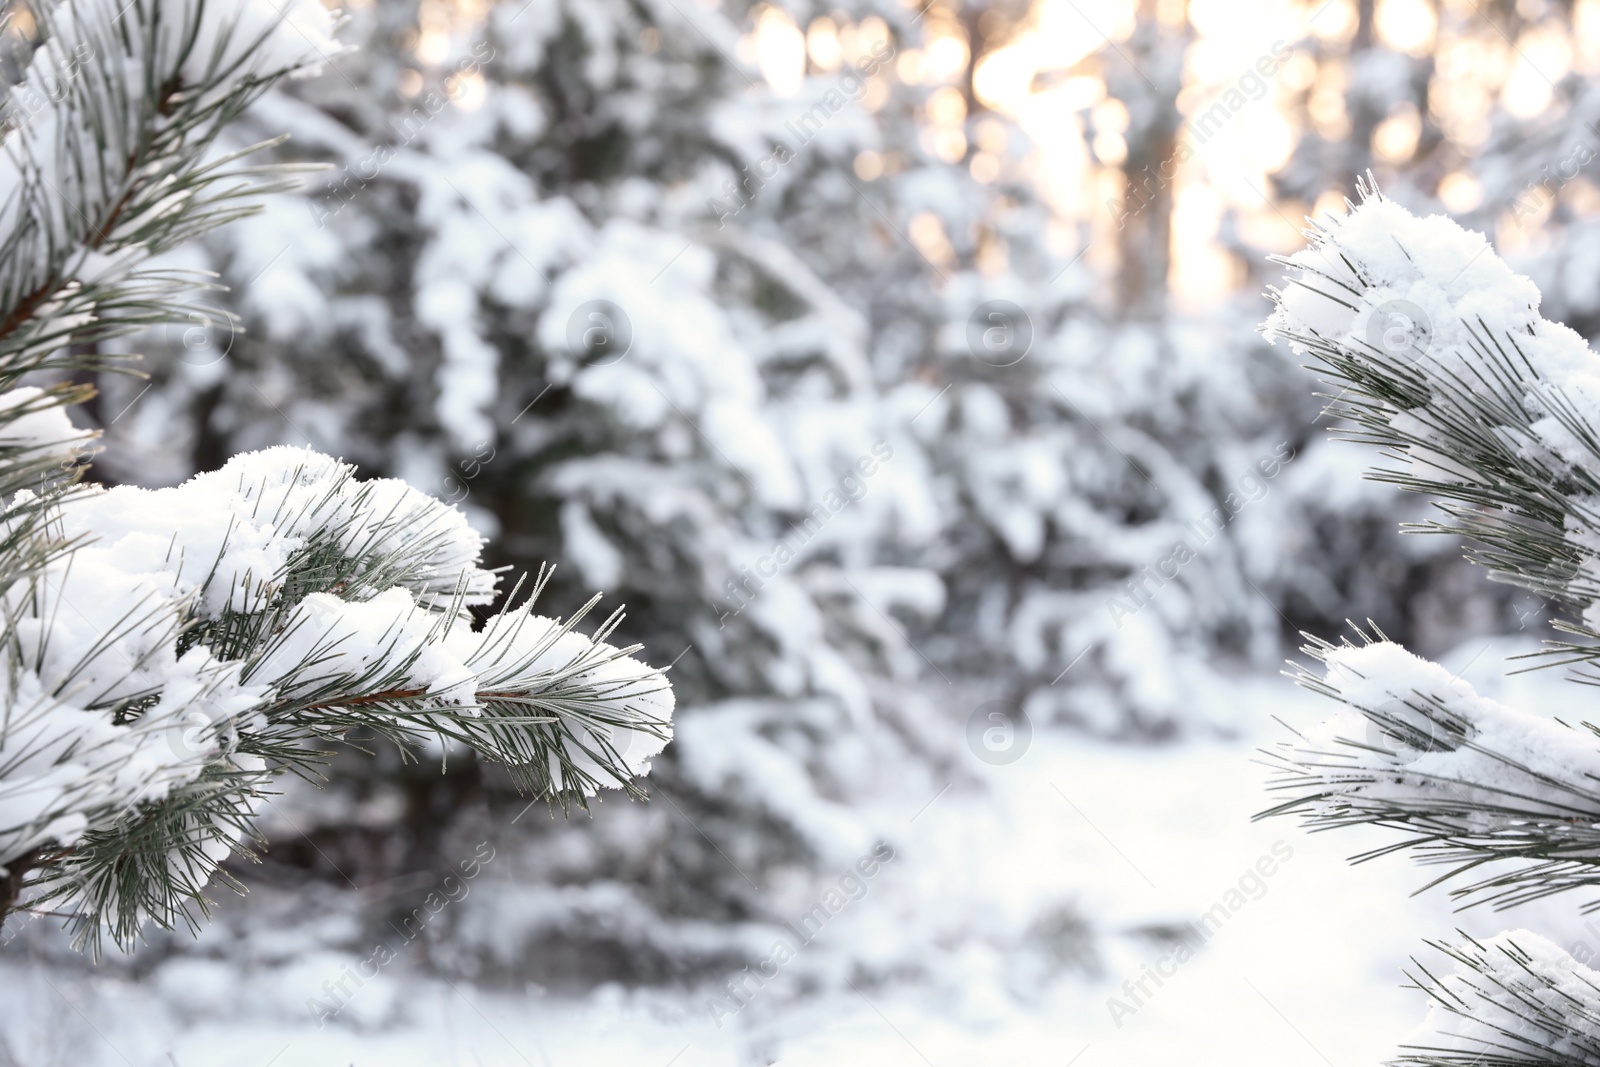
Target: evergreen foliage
[[1437, 355], [168, 653]]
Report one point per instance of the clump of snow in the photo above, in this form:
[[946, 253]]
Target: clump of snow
[[1379, 254], [331, 648], [64, 767], [228, 536], [1516, 993], [38, 428]]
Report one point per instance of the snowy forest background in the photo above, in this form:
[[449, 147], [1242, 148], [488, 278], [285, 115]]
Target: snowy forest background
[[859, 514]]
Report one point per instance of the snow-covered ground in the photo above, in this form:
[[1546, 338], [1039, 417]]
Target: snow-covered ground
[[1136, 841]]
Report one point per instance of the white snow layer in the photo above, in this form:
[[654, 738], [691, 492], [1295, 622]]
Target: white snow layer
[[1504, 757], [38, 428]]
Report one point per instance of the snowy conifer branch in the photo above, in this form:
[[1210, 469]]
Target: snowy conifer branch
[[1440, 358], [203, 636], [1468, 780], [1492, 409], [113, 167], [1515, 1000], [166, 652], [106, 167]]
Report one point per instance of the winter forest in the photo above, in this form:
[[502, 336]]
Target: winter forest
[[694, 533]]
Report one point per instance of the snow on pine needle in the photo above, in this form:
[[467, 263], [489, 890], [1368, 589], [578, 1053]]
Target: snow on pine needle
[[1515, 1000], [1440, 358]]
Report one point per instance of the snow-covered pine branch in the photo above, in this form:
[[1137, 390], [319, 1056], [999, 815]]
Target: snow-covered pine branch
[[200, 634], [106, 157], [1443, 362], [166, 652], [1467, 779], [1441, 359]]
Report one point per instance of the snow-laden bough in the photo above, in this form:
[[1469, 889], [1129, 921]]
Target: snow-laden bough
[[200, 635]]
